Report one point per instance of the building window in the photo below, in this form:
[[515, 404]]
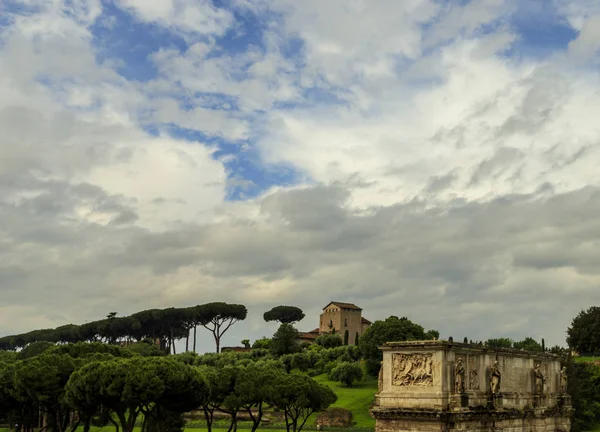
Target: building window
[[345, 322]]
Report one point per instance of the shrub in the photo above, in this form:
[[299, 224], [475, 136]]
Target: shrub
[[263, 343], [329, 340], [301, 361], [329, 367], [189, 358], [304, 345], [288, 362], [259, 353], [346, 373]]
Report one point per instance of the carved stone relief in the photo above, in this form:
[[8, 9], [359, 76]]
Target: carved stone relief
[[473, 373], [412, 370], [510, 376]]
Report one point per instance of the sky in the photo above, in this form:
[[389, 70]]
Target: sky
[[430, 159]]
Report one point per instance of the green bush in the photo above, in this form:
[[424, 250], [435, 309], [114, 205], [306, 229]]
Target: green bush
[[263, 343], [584, 387], [346, 373], [329, 340], [301, 361]]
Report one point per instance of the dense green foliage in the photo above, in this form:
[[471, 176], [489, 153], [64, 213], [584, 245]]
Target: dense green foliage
[[584, 388], [346, 373], [583, 335], [527, 344], [329, 340], [499, 343], [299, 396], [284, 314], [126, 388], [392, 329], [285, 340], [263, 343]]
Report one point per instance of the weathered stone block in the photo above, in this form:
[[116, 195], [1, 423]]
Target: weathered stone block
[[439, 385]]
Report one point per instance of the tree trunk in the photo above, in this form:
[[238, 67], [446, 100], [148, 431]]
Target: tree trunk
[[208, 415], [256, 419], [187, 341], [112, 420], [195, 325], [217, 342], [233, 425]]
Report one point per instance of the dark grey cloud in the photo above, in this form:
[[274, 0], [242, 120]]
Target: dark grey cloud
[[470, 269]]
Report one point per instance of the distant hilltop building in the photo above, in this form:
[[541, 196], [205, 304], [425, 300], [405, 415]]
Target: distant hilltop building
[[340, 318]]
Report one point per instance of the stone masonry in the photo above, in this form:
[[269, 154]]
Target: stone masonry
[[441, 386]]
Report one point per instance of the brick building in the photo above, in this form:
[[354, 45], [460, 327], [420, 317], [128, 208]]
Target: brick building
[[340, 318]]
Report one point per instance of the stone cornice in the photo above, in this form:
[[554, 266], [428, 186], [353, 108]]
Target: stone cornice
[[447, 345]]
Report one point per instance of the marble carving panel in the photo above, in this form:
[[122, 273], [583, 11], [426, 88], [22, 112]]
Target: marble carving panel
[[473, 368], [412, 370]]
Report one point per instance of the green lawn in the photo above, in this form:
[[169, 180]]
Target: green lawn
[[357, 399], [587, 359]]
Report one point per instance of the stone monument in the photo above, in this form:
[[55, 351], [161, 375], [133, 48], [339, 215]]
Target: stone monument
[[563, 380], [440, 385]]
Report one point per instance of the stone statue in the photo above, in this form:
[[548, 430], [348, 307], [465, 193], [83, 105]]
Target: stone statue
[[563, 380], [495, 376], [380, 379], [539, 379], [459, 377]]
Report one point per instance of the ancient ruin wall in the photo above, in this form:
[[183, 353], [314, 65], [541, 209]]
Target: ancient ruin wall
[[469, 386]]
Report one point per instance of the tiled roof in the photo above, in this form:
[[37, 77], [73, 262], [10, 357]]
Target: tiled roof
[[343, 305], [307, 335], [363, 320]]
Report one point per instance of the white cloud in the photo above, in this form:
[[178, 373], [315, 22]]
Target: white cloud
[[170, 181], [454, 184], [187, 16], [587, 43], [80, 126], [462, 123]]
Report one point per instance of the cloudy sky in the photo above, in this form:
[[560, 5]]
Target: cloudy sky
[[430, 159]]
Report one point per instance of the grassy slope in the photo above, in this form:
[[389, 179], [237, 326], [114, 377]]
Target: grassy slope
[[357, 399]]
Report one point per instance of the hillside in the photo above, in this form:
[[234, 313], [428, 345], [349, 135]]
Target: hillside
[[357, 399]]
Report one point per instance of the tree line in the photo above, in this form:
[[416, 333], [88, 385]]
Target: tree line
[[88, 384], [163, 325]]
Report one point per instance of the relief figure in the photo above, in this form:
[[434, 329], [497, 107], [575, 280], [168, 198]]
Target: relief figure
[[412, 370]]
